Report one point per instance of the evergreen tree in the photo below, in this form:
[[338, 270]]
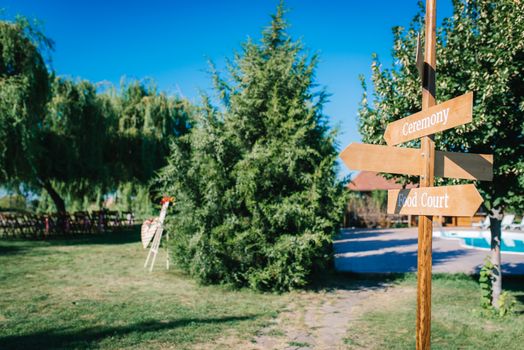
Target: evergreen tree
[[480, 49], [257, 197]]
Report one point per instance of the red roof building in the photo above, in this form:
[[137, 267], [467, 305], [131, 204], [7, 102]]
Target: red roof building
[[367, 181]]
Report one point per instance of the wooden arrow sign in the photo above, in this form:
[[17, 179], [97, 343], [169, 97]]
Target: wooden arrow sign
[[470, 166], [460, 200], [441, 117], [408, 161], [384, 159]]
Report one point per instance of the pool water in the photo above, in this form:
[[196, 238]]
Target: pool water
[[511, 242]]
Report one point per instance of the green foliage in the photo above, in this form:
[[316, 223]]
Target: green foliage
[[257, 198], [68, 140], [146, 122], [480, 49], [134, 197], [89, 147], [74, 134], [367, 210], [24, 91], [380, 197], [486, 283], [13, 201], [506, 304]]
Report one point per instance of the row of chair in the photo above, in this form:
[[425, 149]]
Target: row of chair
[[507, 223], [29, 225]]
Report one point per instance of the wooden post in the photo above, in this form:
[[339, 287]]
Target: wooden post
[[425, 225]]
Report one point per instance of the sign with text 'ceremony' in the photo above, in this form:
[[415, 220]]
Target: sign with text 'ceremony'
[[408, 161], [460, 200], [447, 115]]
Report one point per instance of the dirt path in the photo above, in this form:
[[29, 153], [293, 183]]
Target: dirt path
[[317, 320]]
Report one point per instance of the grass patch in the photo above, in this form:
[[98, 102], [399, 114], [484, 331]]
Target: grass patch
[[298, 344], [94, 292], [458, 321]]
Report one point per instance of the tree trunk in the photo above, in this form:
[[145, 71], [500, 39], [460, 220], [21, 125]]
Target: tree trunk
[[495, 228], [57, 200]]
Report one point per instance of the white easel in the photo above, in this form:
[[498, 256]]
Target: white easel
[[155, 245]]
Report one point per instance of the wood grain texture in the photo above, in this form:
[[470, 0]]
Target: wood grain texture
[[425, 225], [444, 116], [459, 200], [409, 161], [385, 159], [470, 166]]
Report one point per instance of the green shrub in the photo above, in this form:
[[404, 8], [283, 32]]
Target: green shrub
[[486, 282], [506, 303], [257, 197]]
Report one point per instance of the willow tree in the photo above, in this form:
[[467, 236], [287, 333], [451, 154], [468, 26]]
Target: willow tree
[[480, 49], [24, 92], [257, 197], [95, 143], [66, 137], [73, 136], [147, 121]]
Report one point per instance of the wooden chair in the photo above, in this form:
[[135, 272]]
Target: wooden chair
[[112, 220], [82, 222], [507, 220], [4, 227], [518, 226], [127, 219]]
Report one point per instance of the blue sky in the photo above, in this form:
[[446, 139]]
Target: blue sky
[[171, 41]]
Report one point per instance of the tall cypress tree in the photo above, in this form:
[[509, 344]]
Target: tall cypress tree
[[258, 201]]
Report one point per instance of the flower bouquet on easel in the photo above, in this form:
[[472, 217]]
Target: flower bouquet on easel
[[152, 229]]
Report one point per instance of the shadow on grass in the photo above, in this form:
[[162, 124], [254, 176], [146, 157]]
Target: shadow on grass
[[89, 337], [119, 237], [11, 249], [333, 280], [34, 247], [514, 284]]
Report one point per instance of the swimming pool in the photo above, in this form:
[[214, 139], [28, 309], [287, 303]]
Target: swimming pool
[[512, 242]]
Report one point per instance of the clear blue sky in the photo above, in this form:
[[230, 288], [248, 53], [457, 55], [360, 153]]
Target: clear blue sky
[[171, 41]]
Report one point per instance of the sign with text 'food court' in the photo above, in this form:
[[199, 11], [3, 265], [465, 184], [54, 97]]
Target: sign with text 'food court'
[[460, 200]]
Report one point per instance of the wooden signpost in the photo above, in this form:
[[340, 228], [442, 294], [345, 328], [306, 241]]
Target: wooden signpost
[[426, 201]]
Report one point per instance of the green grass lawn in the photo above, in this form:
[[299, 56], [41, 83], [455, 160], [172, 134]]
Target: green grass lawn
[[458, 321], [94, 292]]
